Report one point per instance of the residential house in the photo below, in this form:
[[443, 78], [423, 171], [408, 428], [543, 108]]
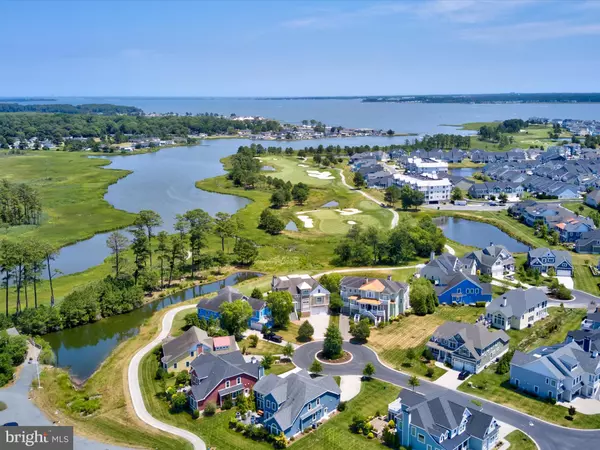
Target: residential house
[[441, 422], [211, 308], [573, 229], [455, 281], [179, 352], [296, 402], [496, 188], [562, 372], [308, 294], [588, 242], [542, 259], [591, 321], [455, 155], [215, 378], [376, 298], [494, 260], [587, 339], [517, 309], [467, 346]]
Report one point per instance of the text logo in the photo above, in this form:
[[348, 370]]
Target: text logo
[[43, 438]]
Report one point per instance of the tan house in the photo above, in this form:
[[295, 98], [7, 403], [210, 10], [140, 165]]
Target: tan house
[[308, 294], [376, 298], [179, 352]]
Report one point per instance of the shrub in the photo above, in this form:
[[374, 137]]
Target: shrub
[[427, 354], [210, 409], [195, 414], [3, 406], [572, 411], [240, 427], [552, 400], [227, 404], [569, 417], [233, 423], [182, 378], [178, 402], [503, 366], [480, 304], [306, 331], [370, 435], [252, 341], [341, 406], [430, 372]]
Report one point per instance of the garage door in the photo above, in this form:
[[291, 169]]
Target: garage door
[[470, 368], [563, 273], [458, 365], [319, 310]]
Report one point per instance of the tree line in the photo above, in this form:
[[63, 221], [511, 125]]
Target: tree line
[[20, 204], [494, 133], [90, 108], [439, 141], [57, 127], [363, 247]]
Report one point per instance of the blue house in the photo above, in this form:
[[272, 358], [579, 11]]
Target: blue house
[[542, 259], [455, 280], [441, 423], [211, 308], [296, 402], [464, 289]]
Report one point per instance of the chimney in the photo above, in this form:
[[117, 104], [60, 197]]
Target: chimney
[[594, 354], [253, 360], [503, 301], [389, 277], [432, 256]]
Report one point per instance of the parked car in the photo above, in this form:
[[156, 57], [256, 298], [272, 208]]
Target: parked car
[[11, 424], [270, 336], [464, 375], [493, 203]]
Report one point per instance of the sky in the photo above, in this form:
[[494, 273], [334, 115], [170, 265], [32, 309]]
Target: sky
[[297, 48]]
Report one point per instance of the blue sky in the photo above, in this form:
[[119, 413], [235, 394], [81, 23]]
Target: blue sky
[[297, 48]]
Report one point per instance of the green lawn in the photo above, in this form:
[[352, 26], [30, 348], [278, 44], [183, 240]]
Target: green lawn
[[262, 348], [520, 441], [534, 135], [289, 169], [374, 398], [279, 368], [584, 279], [575, 207]]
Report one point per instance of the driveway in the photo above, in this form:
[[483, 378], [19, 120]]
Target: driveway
[[320, 322], [566, 281], [23, 411], [345, 327], [450, 379], [547, 436]]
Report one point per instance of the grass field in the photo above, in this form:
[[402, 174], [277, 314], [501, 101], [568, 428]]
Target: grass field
[[288, 168], [72, 188], [534, 135], [262, 348], [520, 441], [575, 207], [393, 341]]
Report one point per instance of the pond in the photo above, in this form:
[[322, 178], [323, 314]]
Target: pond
[[477, 234], [464, 171], [82, 349], [291, 226]]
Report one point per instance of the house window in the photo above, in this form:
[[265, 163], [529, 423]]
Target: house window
[[227, 383], [429, 447], [536, 389], [234, 395], [274, 429], [421, 438], [309, 406], [325, 411], [314, 417], [238, 380], [553, 382], [191, 353], [414, 431], [268, 404], [547, 381], [175, 366], [318, 401], [187, 364]]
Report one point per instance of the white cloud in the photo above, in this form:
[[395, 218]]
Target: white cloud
[[531, 31]]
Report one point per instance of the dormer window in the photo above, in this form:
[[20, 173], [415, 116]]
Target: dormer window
[[227, 384]]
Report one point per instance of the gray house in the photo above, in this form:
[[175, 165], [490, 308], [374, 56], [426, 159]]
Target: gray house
[[467, 346], [542, 259], [295, 403], [588, 242], [494, 260], [517, 309], [375, 298], [308, 294], [593, 198], [562, 371]]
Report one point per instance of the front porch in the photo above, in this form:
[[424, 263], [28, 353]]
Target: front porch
[[367, 307]]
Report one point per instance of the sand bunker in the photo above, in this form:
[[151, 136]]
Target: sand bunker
[[303, 165], [349, 211], [320, 175], [307, 221], [351, 222]]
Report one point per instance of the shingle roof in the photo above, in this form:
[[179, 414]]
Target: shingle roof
[[518, 301], [227, 295], [476, 337], [294, 283], [212, 369], [294, 391], [389, 286], [174, 348], [486, 288]]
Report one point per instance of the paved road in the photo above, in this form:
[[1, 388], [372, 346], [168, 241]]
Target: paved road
[[25, 412], [136, 393], [467, 208], [582, 300], [395, 217], [548, 436]]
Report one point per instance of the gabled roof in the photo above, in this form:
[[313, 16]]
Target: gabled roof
[[486, 288], [476, 337], [560, 255], [296, 283], [518, 301], [211, 370], [594, 195], [389, 286], [228, 295], [174, 348], [293, 392], [438, 414]]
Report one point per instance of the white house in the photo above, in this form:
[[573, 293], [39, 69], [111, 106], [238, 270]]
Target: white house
[[435, 190], [517, 309]]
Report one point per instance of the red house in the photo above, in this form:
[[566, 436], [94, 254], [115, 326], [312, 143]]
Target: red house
[[218, 377]]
